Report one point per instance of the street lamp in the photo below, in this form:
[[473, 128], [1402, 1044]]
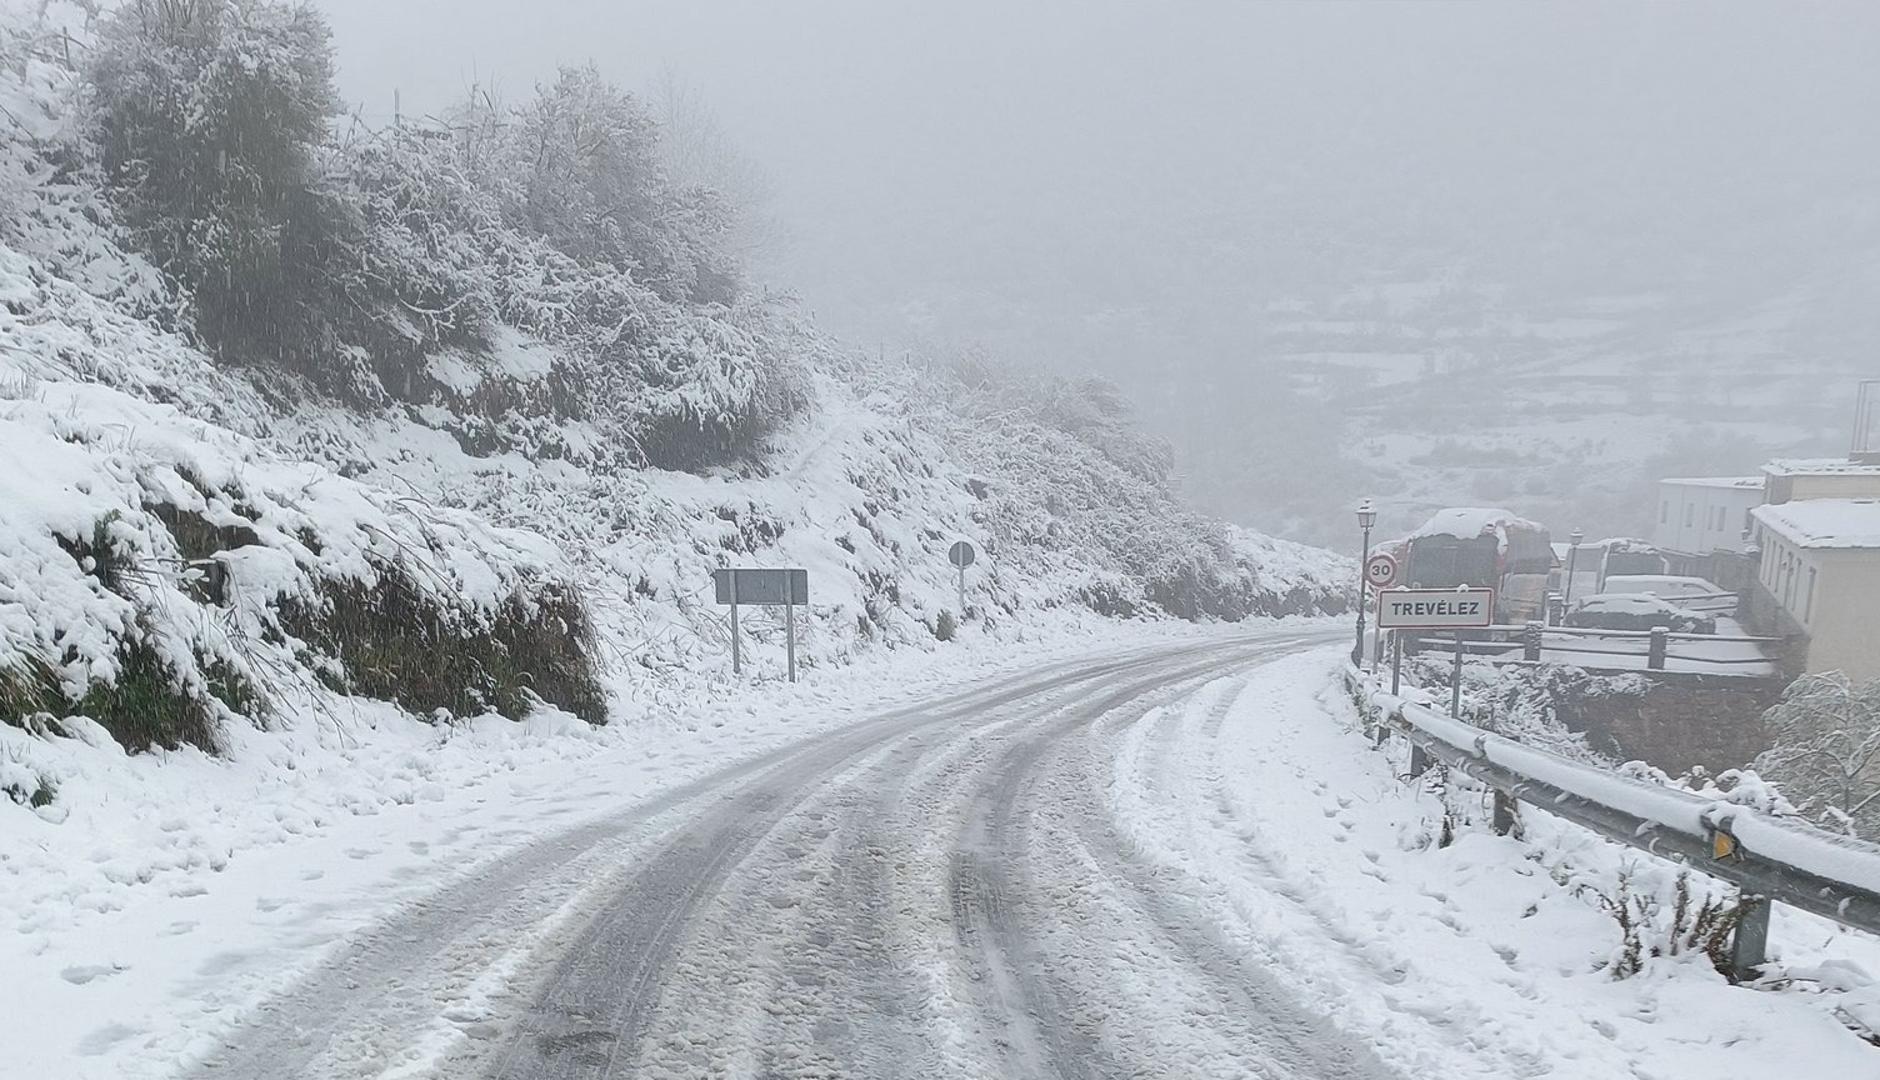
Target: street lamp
[[1574, 539], [1367, 517]]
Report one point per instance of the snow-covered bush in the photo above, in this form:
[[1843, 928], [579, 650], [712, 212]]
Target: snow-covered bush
[[164, 577], [209, 114], [1824, 750], [1697, 917], [1065, 472], [1525, 703]]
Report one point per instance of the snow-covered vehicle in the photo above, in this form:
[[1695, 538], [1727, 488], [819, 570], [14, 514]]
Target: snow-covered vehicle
[[1486, 548], [1626, 556], [1638, 611], [1668, 586]]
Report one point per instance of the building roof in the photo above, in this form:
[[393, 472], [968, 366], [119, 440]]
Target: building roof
[[1825, 523], [1754, 483], [1820, 467]]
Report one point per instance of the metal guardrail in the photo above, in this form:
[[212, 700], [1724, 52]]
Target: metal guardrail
[[1768, 859]]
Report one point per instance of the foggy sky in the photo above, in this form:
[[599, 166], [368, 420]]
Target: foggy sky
[[1126, 188], [911, 141]]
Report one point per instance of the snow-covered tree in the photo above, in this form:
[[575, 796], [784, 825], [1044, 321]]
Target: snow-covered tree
[[209, 116], [700, 156], [1825, 749]]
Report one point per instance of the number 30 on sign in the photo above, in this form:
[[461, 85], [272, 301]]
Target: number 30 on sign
[[1381, 570]]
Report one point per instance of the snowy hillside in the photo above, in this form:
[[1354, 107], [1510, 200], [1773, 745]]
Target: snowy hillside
[[205, 537]]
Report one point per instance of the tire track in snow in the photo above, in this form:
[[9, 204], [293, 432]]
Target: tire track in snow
[[1238, 1019], [387, 989], [563, 1036]]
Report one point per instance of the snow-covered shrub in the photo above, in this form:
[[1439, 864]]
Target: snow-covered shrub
[[209, 114], [1064, 473], [1524, 703], [1824, 750], [164, 577], [1696, 917], [399, 641]]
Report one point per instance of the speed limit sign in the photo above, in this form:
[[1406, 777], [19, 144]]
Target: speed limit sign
[[1381, 570]]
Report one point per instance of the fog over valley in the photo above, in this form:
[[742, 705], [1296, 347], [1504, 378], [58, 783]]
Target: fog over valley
[[1358, 245]]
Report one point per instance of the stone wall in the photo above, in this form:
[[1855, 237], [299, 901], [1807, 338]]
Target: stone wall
[[1679, 720]]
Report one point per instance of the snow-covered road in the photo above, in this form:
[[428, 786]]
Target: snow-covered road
[[1171, 862], [913, 896]]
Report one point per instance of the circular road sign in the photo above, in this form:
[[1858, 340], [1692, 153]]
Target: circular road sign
[[1381, 571], [961, 554]]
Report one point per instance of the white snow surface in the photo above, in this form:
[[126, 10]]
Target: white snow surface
[[169, 893], [1825, 523], [1485, 958], [207, 885]]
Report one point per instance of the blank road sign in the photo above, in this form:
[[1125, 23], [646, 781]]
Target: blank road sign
[[1436, 609], [757, 586]]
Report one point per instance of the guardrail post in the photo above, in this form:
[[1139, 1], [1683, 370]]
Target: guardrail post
[[1419, 760], [1660, 645], [1531, 641], [1504, 813], [1750, 943]]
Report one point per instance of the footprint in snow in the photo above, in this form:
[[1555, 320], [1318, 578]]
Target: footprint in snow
[[221, 963], [80, 974], [101, 1040]]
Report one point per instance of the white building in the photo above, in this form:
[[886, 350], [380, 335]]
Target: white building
[[1792, 479], [1701, 514], [1820, 577]]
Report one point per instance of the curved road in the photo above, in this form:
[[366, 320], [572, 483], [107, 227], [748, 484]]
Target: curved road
[[939, 892]]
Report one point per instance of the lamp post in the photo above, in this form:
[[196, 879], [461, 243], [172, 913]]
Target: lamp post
[[1574, 539], [1367, 517]]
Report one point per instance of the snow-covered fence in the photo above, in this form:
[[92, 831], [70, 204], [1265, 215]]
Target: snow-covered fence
[[1769, 859], [1628, 650]]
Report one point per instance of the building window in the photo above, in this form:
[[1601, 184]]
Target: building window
[[1664, 512], [1808, 604], [1690, 515]]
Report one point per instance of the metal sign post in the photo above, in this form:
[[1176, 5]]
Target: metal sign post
[[1455, 682], [1396, 663], [962, 555], [1437, 609], [771, 588], [737, 660]]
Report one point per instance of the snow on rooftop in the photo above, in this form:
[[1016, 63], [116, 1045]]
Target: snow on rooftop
[[1820, 467], [1747, 483], [1825, 523]]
